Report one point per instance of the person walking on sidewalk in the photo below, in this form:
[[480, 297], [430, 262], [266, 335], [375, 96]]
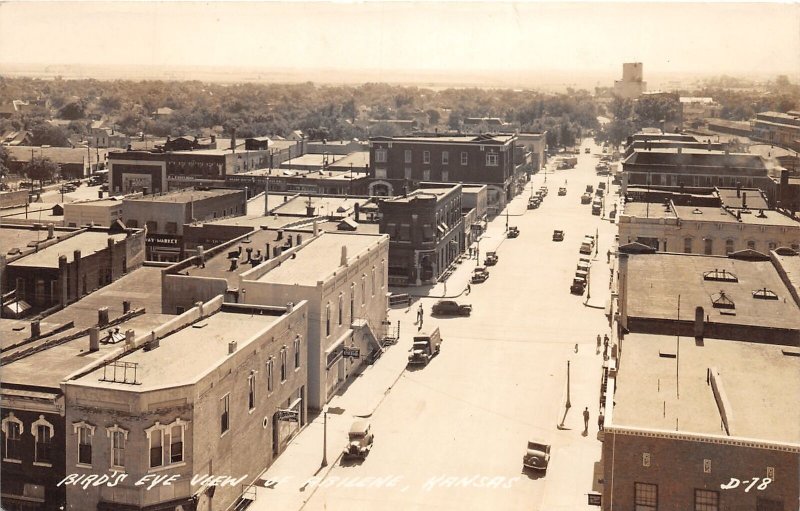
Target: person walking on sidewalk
[[586, 420], [605, 348], [598, 345], [420, 315]]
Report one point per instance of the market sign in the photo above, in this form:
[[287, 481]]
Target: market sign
[[351, 352]]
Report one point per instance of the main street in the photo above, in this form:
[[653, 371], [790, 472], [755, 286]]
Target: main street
[[452, 435]]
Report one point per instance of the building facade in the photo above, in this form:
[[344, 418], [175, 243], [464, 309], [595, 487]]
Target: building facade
[[632, 85], [779, 128], [426, 232], [400, 164]]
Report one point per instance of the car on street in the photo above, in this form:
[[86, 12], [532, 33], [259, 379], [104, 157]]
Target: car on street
[[562, 191], [586, 198], [359, 440], [586, 248], [479, 274], [583, 266], [597, 207], [513, 232], [578, 286], [537, 455], [534, 202], [491, 259], [451, 308], [589, 189], [68, 188], [558, 235], [543, 190], [587, 150]]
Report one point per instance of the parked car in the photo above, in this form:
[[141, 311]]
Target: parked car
[[479, 274], [359, 440], [68, 188], [578, 286], [537, 455], [491, 259], [425, 347], [583, 266], [562, 191], [451, 308], [586, 248], [589, 189], [513, 232], [558, 235], [587, 150], [543, 190], [586, 198], [534, 202]]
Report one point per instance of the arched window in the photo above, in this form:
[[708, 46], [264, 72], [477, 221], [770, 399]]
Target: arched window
[[119, 437], [85, 434], [166, 442], [12, 430], [43, 433]]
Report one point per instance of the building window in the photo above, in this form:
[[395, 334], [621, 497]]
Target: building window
[[426, 156], [380, 155], [751, 245], [152, 226], [341, 308], [445, 176], [763, 504], [12, 428], [225, 414], [445, 157], [728, 246], [363, 289], [706, 500], [270, 375], [119, 438], [176, 442], [407, 156], [156, 448], [687, 245], [166, 443], [645, 497], [407, 172], [283, 364], [709, 246], [297, 352], [84, 432], [491, 159], [43, 434], [251, 391], [426, 175], [327, 319], [464, 158]]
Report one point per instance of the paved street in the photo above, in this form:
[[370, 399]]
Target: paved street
[[452, 435]]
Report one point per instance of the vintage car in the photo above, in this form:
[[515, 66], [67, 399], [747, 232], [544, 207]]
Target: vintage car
[[562, 191], [589, 189], [537, 455], [359, 440], [68, 188], [450, 308], [583, 266], [587, 150], [491, 259], [578, 286], [513, 232], [534, 202], [558, 235], [586, 198], [479, 274], [543, 190]]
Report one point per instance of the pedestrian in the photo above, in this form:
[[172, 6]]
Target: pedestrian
[[469, 288], [608, 257], [598, 343], [606, 340], [586, 420]]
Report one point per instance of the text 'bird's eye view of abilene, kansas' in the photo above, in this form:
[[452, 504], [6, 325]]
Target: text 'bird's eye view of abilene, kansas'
[[399, 256]]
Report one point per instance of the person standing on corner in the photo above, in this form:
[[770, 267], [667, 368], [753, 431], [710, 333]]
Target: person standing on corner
[[586, 420]]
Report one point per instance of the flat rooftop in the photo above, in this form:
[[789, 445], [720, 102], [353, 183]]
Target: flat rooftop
[[455, 138], [753, 198], [311, 160], [332, 205], [648, 210], [422, 193], [87, 242], [100, 203], [656, 280], [320, 258], [790, 265], [748, 216], [185, 356], [359, 159], [759, 380], [184, 196], [12, 236], [48, 367]]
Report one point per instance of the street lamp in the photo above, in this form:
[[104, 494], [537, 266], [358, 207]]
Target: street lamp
[[324, 437]]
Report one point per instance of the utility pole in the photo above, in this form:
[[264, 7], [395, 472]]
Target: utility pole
[[678, 353], [325, 438], [568, 405]]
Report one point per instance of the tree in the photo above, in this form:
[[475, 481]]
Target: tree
[[41, 168], [5, 157], [433, 117], [47, 134], [72, 111]]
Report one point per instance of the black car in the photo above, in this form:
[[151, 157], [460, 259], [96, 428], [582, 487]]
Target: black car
[[450, 308]]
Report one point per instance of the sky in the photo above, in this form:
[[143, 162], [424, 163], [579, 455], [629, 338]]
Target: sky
[[707, 38]]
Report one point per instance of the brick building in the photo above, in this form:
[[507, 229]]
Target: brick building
[[165, 215], [178, 404], [426, 232], [779, 128], [400, 164]]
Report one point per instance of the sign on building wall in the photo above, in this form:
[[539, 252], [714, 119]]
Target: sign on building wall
[[135, 182]]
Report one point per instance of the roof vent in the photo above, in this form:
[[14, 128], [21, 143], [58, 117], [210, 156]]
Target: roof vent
[[720, 301], [765, 294], [696, 211], [761, 214], [720, 276], [231, 347]]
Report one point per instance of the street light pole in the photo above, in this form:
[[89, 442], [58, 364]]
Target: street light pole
[[568, 405], [325, 438]]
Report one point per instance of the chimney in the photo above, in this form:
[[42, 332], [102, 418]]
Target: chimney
[[233, 140], [213, 139], [343, 260], [145, 190], [310, 210], [357, 211], [289, 240], [102, 316], [280, 235], [130, 337], [234, 265], [36, 329], [744, 199], [289, 307], [126, 306], [240, 251], [266, 251], [200, 308], [276, 251], [314, 228], [50, 231], [94, 339], [231, 347], [699, 324], [99, 194], [201, 255], [299, 239], [739, 215], [249, 251]]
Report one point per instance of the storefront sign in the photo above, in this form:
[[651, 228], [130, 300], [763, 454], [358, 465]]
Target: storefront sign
[[595, 499], [288, 415], [351, 352], [164, 240]]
